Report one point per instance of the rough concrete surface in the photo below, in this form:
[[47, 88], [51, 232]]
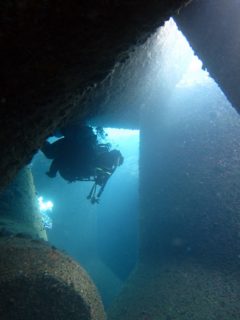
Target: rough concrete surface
[[39, 282], [178, 291], [52, 52]]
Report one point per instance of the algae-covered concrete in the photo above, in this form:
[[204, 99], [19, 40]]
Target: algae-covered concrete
[[19, 211], [52, 54], [189, 204], [189, 224], [212, 28], [39, 282], [179, 290], [36, 280]]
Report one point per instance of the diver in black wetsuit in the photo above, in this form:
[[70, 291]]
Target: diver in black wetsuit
[[107, 163], [68, 159], [73, 155], [78, 156]]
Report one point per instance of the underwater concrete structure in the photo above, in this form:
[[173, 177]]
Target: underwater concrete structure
[[189, 224], [37, 281], [189, 218], [54, 55], [19, 211], [215, 22]]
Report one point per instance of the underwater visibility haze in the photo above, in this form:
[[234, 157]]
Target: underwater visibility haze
[[102, 237], [166, 243]]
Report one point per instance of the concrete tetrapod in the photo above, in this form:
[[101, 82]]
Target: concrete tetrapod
[[39, 282]]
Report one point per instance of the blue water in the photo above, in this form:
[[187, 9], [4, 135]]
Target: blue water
[[196, 132], [104, 234]]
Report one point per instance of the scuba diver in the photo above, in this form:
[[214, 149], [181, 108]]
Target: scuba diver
[[107, 163], [70, 152], [78, 156]]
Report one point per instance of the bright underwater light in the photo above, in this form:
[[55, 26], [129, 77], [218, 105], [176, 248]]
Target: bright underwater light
[[115, 132], [176, 61], [45, 207]]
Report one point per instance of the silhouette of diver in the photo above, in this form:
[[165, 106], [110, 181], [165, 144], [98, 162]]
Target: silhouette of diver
[[107, 163], [73, 154], [78, 156]]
